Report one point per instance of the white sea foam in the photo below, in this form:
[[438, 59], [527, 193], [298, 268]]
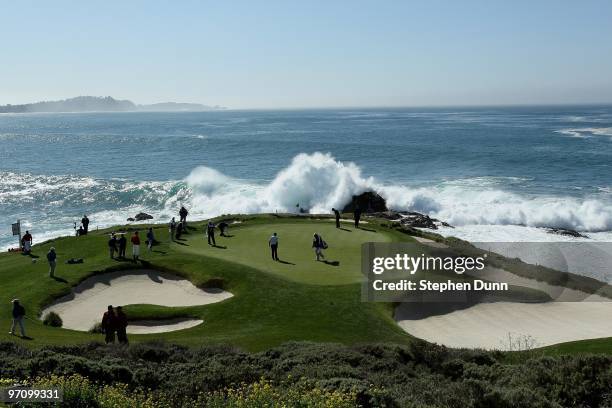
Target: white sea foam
[[585, 133], [479, 208]]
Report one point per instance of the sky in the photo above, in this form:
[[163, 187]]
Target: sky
[[290, 54]]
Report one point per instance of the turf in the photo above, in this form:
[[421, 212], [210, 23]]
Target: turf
[[249, 246], [298, 299], [273, 302]]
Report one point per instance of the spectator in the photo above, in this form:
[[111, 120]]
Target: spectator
[[51, 257], [85, 223], [109, 325], [135, 246], [18, 316], [112, 245], [121, 326], [26, 243]]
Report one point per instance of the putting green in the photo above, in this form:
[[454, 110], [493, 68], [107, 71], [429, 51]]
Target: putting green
[[248, 245]]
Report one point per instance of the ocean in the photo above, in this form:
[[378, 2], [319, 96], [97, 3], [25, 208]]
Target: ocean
[[495, 174]]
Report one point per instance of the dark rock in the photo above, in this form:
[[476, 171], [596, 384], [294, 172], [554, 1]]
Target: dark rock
[[369, 202], [387, 215], [143, 216], [418, 220], [566, 232], [131, 219]]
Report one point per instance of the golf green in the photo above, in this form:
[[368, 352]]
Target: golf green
[[248, 245]]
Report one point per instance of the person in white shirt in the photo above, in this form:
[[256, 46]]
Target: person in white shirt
[[273, 242]]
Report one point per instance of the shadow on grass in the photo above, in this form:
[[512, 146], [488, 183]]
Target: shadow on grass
[[366, 229], [344, 229], [58, 279], [332, 263], [284, 262], [218, 246]]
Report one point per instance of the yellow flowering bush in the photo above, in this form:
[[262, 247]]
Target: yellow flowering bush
[[81, 392]]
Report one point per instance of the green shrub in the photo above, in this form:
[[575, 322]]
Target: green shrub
[[96, 328], [52, 319]]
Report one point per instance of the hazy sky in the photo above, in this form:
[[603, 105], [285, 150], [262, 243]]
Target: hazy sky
[[266, 54]]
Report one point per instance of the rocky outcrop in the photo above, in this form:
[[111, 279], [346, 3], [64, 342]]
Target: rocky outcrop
[[566, 232], [368, 202], [141, 217], [418, 220]]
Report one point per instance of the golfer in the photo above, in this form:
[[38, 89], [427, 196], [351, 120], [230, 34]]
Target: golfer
[[18, 316], [273, 242], [319, 245], [135, 246], [51, 257], [357, 216], [210, 233], [337, 214]]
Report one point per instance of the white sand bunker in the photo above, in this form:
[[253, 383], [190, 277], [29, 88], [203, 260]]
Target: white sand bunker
[[512, 326], [509, 326], [87, 303]]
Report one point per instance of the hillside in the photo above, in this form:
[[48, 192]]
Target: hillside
[[101, 104]]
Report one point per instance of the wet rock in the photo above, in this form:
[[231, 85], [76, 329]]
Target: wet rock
[[142, 217], [369, 202], [566, 232]]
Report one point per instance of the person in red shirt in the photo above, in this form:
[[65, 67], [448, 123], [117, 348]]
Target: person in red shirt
[[135, 246]]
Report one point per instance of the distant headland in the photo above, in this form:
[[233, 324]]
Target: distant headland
[[104, 104]]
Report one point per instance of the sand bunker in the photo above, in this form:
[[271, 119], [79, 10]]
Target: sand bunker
[[488, 325], [161, 326], [85, 305], [575, 316]]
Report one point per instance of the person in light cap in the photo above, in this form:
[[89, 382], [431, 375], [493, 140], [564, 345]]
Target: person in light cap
[[18, 316], [51, 256]]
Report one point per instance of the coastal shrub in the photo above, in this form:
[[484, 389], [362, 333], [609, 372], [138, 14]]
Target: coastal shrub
[[96, 328], [52, 319], [373, 375]]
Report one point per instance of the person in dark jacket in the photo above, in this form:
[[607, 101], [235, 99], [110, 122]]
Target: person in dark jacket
[[172, 228], [109, 325], [179, 230], [51, 257], [319, 245], [183, 215], [150, 239], [357, 216], [121, 326], [85, 222], [26, 243], [18, 316], [337, 214], [112, 245], [223, 228], [210, 233], [122, 246]]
